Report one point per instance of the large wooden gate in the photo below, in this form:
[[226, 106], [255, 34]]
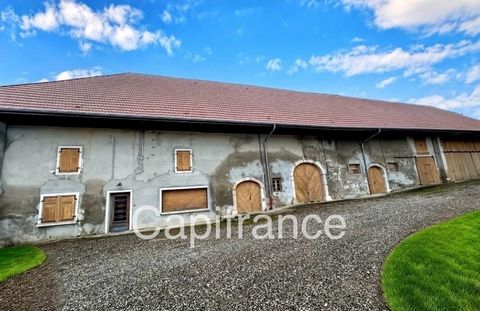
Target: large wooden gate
[[463, 159], [308, 182], [376, 182], [248, 197], [427, 171]]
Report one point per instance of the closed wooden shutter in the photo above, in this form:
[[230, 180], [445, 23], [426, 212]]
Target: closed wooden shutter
[[66, 210], [184, 199], [58, 208], [184, 160], [69, 160], [421, 146], [49, 210]]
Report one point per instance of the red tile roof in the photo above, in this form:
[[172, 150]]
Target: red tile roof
[[149, 96]]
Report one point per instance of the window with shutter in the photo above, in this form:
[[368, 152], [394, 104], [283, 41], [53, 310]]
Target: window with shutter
[[183, 158], [58, 208], [68, 161]]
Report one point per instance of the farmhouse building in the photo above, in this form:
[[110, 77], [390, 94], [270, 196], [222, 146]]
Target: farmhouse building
[[78, 157]]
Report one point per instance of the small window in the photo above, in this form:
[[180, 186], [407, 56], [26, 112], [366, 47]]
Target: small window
[[183, 160], [68, 160], [354, 168], [58, 208], [393, 167], [277, 184]]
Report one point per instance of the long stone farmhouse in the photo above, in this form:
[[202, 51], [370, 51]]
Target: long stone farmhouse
[[80, 156]]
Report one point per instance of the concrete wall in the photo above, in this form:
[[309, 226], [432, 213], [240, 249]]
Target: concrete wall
[[143, 162]]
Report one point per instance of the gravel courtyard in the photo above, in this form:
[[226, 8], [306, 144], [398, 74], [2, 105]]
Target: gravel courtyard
[[128, 273]]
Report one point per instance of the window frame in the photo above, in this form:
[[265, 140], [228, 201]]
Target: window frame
[[359, 168], [395, 164], [175, 161], [183, 211], [58, 223], [280, 184], [80, 160]]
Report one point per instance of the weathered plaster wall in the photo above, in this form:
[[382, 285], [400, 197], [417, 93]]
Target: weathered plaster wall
[[143, 161]]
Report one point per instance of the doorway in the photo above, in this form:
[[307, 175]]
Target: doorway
[[119, 211]]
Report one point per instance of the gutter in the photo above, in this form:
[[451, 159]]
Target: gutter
[[362, 146], [268, 181]]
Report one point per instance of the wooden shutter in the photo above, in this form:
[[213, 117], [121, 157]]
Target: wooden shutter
[[66, 208], [69, 160], [184, 199], [49, 210], [421, 146], [184, 160], [58, 208]]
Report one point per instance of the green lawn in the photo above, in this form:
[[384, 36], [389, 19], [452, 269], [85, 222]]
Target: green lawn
[[17, 259], [437, 268]]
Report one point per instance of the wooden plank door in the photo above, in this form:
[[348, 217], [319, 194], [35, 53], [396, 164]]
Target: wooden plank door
[[427, 171], [308, 182], [248, 196], [376, 180], [120, 211]]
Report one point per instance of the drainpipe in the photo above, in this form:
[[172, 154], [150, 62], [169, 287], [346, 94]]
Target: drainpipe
[[362, 145], [268, 182]]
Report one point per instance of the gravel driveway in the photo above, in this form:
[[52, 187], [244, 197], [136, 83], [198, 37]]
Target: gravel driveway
[[128, 273]]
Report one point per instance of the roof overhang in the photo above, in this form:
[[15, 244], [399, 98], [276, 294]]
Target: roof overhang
[[68, 119]]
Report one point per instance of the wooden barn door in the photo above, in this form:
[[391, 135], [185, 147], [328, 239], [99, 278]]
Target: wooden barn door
[[463, 159], [376, 181], [248, 195], [427, 171], [308, 183]]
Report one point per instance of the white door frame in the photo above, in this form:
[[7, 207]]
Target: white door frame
[[107, 209]]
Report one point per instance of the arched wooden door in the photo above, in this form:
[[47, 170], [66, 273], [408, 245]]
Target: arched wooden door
[[248, 196], [308, 182], [376, 181]]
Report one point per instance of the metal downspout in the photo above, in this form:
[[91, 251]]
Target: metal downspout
[[362, 146], [268, 182]]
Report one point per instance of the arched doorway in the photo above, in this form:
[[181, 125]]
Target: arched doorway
[[376, 180], [308, 181], [248, 197]]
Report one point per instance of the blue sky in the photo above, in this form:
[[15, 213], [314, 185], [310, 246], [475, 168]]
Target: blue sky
[[418, 51]]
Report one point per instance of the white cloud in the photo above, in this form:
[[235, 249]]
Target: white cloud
[[297, 65], [247, 11], [357, 40], [274, 64], [430, 15], [310, 3], [42, 80], [473, 74], [77, 73], [385, 82], [364, 59], [85, 47], [433, 77], [166, 17], [176, 11], [46, 21], [115, 25], [464, 101]]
